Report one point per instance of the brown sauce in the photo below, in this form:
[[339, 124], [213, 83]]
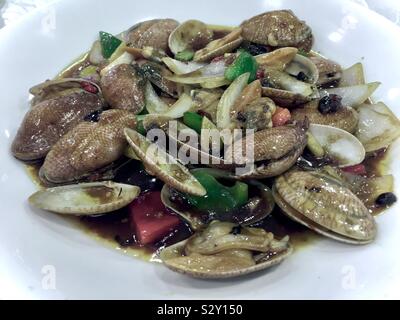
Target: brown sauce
[[114, 230]]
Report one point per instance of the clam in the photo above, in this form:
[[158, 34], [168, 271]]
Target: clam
[[52, 89], [345, 118], [158, 75], [151, 33], [159, 163], [58, 106], [256, 115], [328, 70], [86, 198], [324, 205], [194, 149], [191, 35], [123, 88], [211, 76], [272, 151], [224, 251], [344, 148], [286, 90], [304, 67], [280, 28], [88, 148], [259, 205], [219, 47], [278, 59]]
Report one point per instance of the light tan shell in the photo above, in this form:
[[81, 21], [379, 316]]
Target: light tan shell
[[172, 172], [220, 46], [285, 98], [86, 198], [231, 261], [324, 205], [278, 58]]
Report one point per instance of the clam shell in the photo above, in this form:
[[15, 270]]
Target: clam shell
[[276, 28], [262, 262], [190, 35], [163, 165], [338, 144], [278, 58], [53, 88], [85, 198], [303, 64], [285, 98], [325, 206], [219, 47]]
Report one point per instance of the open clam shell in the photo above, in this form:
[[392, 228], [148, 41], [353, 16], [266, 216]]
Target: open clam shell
[[339, 145], [278, 59], [85, 198], [305, 65], [225, 263], [162, 165], [324, 205], [220, 46], [189, 35]]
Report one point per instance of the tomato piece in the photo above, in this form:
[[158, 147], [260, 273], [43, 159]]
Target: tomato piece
[[358, 169], [280, 117], [150, 219]]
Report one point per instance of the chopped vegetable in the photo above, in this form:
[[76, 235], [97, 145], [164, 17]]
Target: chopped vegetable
[[386, 199], [314, 146], [193, 120], [150, 219], [108, 43], [140, 128], [219, 198], [280, 117], [244, 63], [358, 169], [186, 55]]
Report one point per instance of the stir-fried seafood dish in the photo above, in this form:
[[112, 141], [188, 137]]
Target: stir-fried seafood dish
[[206, 145]]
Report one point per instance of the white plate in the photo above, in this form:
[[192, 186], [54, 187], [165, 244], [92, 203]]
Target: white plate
[[35, 244]]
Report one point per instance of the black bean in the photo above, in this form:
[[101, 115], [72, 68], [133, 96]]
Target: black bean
[[386, 199], [330, 104], [302, 76], [93, 117], [236, 230], [253, 48], [266, 84]]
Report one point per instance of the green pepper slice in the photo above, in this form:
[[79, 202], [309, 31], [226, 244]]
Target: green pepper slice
[[193, 120], [219, 198], [245, 62], [108, 43]]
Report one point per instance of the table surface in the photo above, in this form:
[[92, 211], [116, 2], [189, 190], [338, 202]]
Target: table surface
[[13, 10]]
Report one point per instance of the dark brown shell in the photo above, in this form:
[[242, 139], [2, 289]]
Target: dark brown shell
[[123, 88], [88, 147], [152, 33], [46, 122], [346, 118], [284, 98], [278, 29]]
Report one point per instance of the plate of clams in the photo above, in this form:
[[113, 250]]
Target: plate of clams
[[169, 153]]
